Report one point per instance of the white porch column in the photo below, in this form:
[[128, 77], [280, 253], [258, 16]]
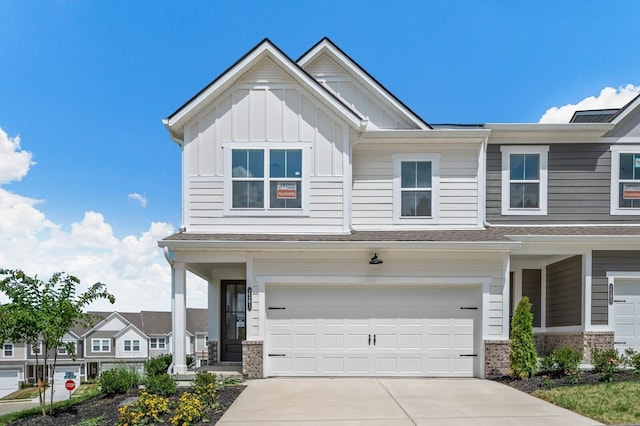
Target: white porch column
[[213, 313], [179, 317]]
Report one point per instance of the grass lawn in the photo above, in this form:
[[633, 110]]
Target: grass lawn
[[609, 403], [26, 393], [85, 389]]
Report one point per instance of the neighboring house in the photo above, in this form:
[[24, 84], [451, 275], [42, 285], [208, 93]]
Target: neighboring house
[[115, 338], [341, 234]]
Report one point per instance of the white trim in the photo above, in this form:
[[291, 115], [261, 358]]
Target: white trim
[[13, 350], [543, 152], [101, 340], [616, 150], [266, 210], [32, 352], [587, 261], [506, 303], [131, 345], [398, 219]]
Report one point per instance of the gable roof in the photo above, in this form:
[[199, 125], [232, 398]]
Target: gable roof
[[325, 45], [129, 327], [632, 105], [176, 121]]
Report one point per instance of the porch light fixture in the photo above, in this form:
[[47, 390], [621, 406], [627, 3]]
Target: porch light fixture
[[375, 260]]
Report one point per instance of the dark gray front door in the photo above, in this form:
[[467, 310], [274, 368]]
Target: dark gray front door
[[233, 319]]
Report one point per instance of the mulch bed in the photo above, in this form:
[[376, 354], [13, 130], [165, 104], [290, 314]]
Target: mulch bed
[[545, 381], [108, 406]]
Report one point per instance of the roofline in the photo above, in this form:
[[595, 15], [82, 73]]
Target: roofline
[[306, 56], [568, 238], [339, 245], [626, 110], [129, 326], [105, 319], [474, 133], [357, 120]]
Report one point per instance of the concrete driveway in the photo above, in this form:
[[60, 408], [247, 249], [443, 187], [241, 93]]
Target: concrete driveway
[[391, 402]]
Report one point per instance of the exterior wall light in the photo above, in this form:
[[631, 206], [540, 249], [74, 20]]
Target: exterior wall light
[[375, 260]]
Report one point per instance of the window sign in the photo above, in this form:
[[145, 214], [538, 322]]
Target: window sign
[[286, 191], [631, 191]]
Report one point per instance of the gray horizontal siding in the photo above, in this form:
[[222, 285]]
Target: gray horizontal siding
[[579, 188], [564, 292], [531, 287], [603, 261]]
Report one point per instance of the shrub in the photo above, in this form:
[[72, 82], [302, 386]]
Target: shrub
[[147, 410], [158, 365], [203, 379], [634, 361], [606, 361], [523, 357], [189, 410], [564, 361], [119, 380], [161, 384]]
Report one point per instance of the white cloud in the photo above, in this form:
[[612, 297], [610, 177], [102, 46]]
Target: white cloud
[[14, 162], [133, 268], [609, 97], [141, 198]]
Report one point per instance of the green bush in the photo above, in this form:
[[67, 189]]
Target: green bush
[[203, 379], [157, 365], [161, 384], [633, 359], [564, 361], [523, 359], [205, 388], [119, 380], [607, 362]]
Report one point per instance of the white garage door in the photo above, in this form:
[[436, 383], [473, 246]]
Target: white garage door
[[372, 331], [626, 304], [64, 373], [8, 382]]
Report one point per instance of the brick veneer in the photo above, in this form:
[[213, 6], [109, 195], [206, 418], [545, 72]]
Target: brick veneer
[[252, 359], [496, 358], [213, 352], [579, 341]]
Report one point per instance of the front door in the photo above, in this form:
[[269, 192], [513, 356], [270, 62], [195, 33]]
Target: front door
[[233, 320]]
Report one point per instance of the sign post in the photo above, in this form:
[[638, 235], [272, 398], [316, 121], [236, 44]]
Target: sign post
[[70, 385]]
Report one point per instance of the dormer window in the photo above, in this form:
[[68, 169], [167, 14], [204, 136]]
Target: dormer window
[[266, 181]]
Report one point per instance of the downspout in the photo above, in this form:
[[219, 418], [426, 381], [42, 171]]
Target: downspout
[[363, 127], [180, 143], [482, 182]]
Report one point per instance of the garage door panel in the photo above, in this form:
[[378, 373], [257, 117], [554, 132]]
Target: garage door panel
[[364, 331], [626, 310]]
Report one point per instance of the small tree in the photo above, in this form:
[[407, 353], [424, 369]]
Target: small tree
[[45, 311], [523, 358]]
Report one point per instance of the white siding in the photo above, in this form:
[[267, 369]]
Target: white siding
[[372, 195], [264, 108], [354, 93], [132, 335], [113, 324]]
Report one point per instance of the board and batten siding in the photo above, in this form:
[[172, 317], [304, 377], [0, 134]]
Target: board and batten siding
[[264, 109], [604, 261], [579, 187], [564, 292], [397, 265], [354, 93], [372, 195]]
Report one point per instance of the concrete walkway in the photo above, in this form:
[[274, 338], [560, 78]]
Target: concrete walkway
[[391, 402]]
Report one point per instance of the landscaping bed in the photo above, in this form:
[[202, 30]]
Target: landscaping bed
[[546, 381], [103, 410]]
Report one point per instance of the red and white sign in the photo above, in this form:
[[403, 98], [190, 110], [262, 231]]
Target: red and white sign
[[286, 191], [631, 191], [70, 385]]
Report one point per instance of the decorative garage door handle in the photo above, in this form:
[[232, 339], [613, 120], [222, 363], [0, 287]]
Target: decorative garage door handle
[[277, 354], [475, 308], [620, 301], [374, 340], [469, 355], [273, 308], [619, 343]]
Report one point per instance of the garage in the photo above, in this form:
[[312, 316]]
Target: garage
[[64, 373], [626, 305], [423, 331], [8, 382]]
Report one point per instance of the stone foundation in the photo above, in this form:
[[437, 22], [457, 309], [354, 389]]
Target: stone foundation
[[252, 359], [213, 353], [496, 358], [581, 341]]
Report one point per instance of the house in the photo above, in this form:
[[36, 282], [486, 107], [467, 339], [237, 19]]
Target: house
[[343, 235], [115, 338]]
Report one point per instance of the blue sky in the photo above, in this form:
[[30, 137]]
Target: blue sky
[[84, 86]]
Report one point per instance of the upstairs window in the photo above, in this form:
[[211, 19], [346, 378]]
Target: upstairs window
[[415, 188], [266, 181], [524, 180], [132, 345], [100, 345], [8, 350], [625, 180], [157, 343]]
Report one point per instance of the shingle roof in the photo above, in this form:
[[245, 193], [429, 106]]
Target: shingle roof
[[594, 116], [154, 322], [492, 234]]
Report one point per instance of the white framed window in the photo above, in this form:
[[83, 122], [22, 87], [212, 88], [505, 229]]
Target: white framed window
[[132, 345], [524, 180], [36, 349], [157, 343], [100, 345], [265, 181], [625, 180], [416, 184], [7, 350], [63, 350]]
